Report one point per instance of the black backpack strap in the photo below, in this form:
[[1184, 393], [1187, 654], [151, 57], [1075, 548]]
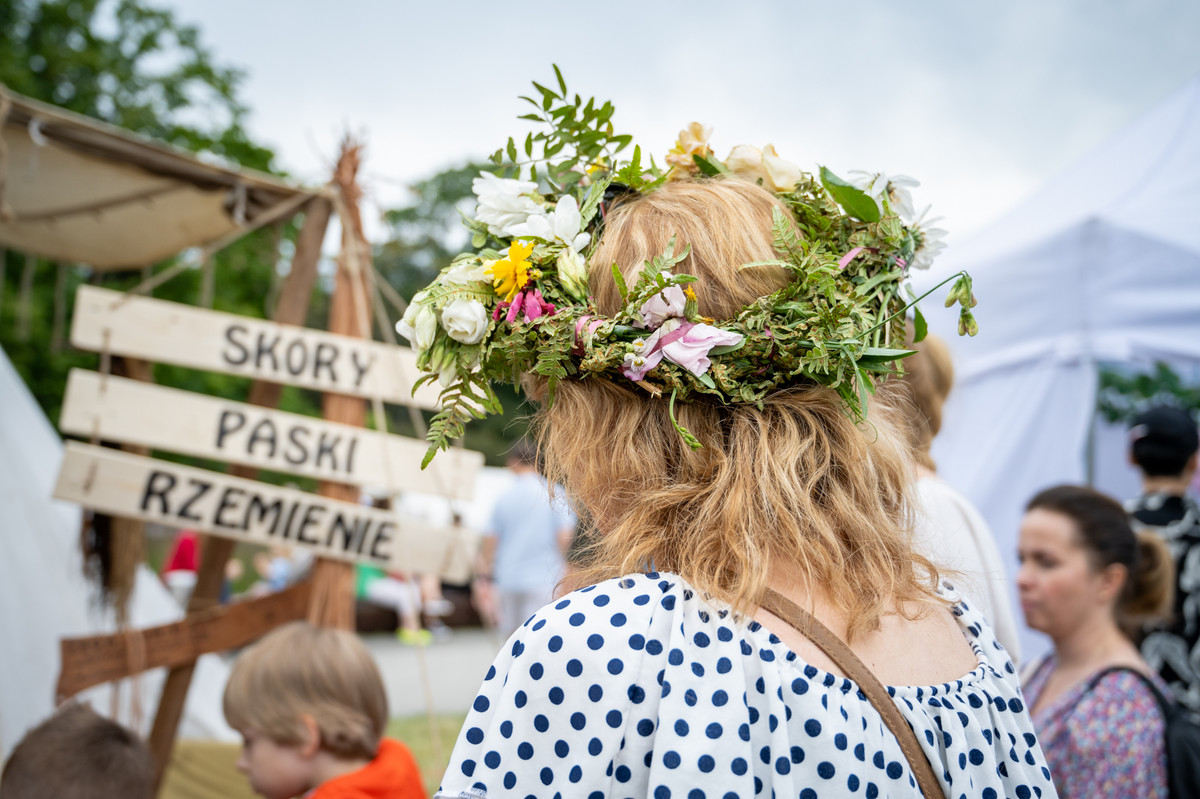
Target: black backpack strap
[[1165, 705]]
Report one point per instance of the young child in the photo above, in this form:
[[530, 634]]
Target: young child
[[77, 754], [311, 709]]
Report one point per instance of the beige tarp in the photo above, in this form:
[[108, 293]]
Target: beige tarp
[[74, 189]]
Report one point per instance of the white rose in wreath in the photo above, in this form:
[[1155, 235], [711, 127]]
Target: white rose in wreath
[[465, 320]]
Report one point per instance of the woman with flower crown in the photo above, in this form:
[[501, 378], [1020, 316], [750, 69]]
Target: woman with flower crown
[[703, 389]]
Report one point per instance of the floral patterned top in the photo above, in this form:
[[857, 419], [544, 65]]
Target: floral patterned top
[[1104, 743]]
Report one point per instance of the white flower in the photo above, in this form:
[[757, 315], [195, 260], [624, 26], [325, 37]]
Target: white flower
[[666, 304], [894, 189], [467, 272], [504, 202], [419, 323], [465, 320], [752, 163], [932, 241], [562, 224], [572, 271]]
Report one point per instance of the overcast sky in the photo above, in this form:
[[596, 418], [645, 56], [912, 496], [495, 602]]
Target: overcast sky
[[981, 102]]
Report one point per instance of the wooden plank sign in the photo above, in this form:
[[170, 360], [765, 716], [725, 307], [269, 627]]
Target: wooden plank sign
[[136, 487], [133, 412], [170, 332], [100, 658]]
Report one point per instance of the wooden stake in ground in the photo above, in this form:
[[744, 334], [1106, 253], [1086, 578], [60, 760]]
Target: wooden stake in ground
[[332, 601], [215, 552]]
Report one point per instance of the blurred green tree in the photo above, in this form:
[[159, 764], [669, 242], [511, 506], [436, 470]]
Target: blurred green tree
[[137, 67]]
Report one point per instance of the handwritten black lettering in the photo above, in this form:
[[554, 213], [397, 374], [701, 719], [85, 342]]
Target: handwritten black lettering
[[295, 365], [202, 487], [264, 431], [324, 357], [228, 501], [258, 504], [325, 446], [352, 532], [311, 514], [295, 445], [360, 368], [266, 348], [383, 537], [229, 422], [159, 484], [240, 353]]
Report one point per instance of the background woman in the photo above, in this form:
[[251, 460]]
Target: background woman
[[676, 682], [1085, 577]]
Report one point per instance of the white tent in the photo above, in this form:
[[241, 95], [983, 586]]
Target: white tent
[[44, 596], [1101, 265]]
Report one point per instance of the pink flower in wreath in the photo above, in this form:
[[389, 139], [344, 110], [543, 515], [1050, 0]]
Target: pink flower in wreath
[[530, 302]]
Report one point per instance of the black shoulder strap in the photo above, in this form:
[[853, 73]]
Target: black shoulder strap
[[1165, 705]]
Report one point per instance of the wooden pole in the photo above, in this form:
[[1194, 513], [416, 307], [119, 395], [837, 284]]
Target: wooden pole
[[332, 600], [215, 552]]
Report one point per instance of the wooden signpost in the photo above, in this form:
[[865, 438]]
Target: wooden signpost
[[344, 364], [117, 409], [99, 659], [136, 487], [169, 332]]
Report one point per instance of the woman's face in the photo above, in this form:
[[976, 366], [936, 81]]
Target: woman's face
[[1058, 588]]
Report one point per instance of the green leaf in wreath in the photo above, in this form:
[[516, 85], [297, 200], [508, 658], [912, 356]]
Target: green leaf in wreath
[[854, 200]]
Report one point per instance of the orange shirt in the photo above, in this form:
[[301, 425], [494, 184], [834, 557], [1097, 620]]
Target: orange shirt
[[392, 774]]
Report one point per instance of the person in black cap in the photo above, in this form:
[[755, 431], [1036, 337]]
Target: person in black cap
[[1162, 444]]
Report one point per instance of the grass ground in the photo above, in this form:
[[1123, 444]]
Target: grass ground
[[432, 755]]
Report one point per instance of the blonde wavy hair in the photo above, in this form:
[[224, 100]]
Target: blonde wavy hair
[[794, 482]]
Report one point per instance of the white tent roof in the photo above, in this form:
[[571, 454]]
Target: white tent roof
[[44, 596], [75, 189], [1102, 264]]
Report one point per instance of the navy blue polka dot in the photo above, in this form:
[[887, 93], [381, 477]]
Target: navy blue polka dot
[[557, 695], [525, 750], [541, 723], [615, 666], [681, 728], [468, 767], [595, 641], [492, 759], [671, 759], [481, 705], [574, 667], [577, 619], [578, 721], [555, 643], [713, 730], [706, 763]]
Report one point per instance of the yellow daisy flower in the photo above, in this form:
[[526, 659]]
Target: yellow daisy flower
[[511, 273]]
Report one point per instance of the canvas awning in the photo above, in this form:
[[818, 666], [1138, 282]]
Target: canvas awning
[[75, 189]]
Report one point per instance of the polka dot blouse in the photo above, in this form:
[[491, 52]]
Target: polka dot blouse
[[642, 687]]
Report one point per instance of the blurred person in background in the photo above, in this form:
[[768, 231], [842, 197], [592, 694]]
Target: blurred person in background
[[1162, 445], [1087, 580], [948, 527], [526, 543]]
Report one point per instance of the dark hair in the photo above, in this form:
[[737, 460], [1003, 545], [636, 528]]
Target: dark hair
[[1162, 440], [78, 754], [1106, 535]]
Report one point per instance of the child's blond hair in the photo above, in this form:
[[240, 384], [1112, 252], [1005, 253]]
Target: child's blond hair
[[301, 670]]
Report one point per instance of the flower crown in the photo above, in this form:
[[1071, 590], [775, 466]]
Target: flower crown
[[520, 302]]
